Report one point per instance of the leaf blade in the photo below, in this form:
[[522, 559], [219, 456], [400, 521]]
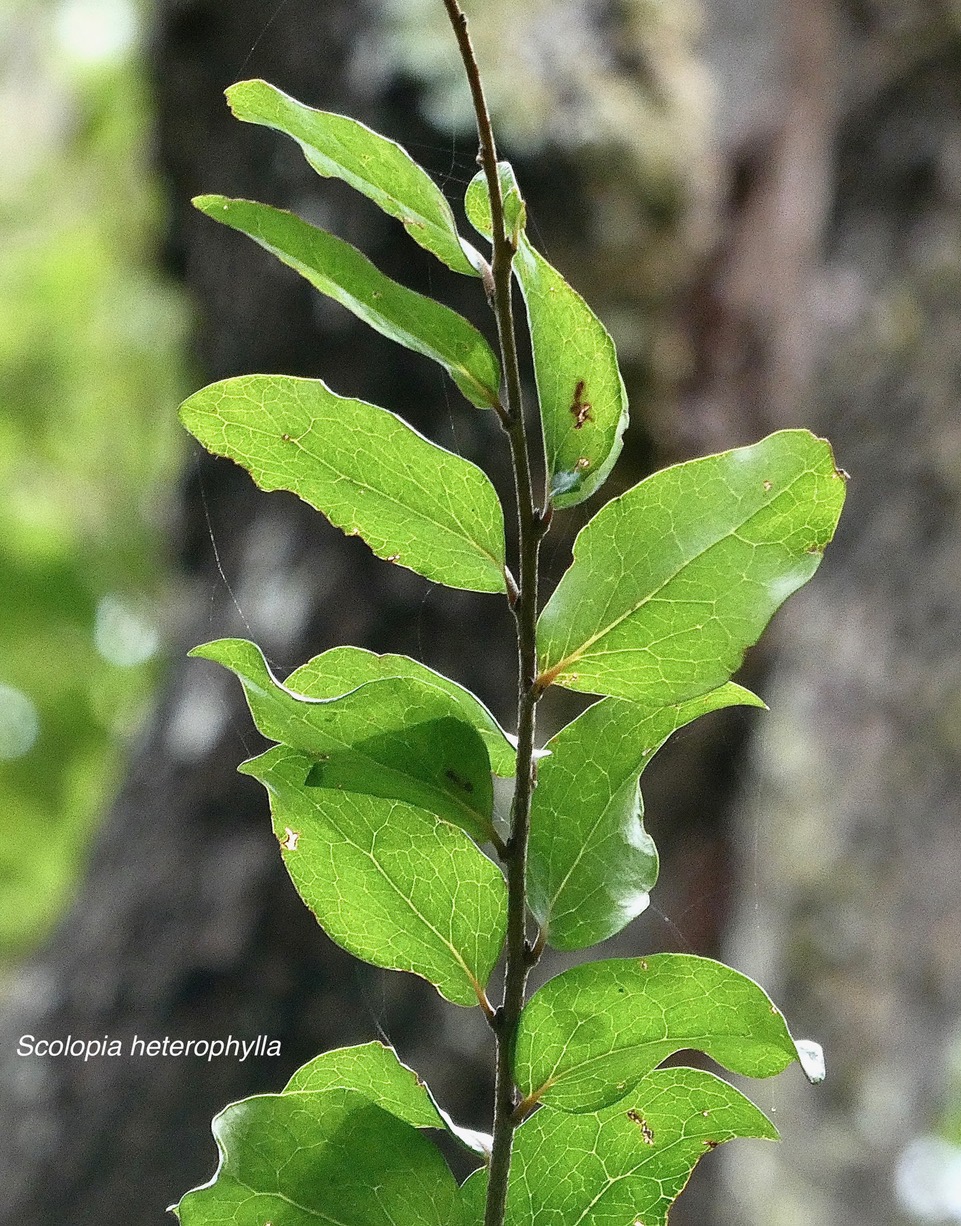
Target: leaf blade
[[397, 738], [591, 863], [340, 271], [331, 1157], [339, 147], [583, 401], [340, 669], [387, 881], [672, 581], [593, 1032], [620, 1165], [374, 1070], [369, 472]]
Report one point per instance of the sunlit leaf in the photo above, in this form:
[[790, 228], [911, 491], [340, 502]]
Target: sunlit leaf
[[397, 738], [340, 271], [582, 398], [339, 147], [375, 1071], [369, 472], [296, 1159], [340, 669], [388, 881], [673, 580], [591, 863], [591, 1033], [627, 1165]]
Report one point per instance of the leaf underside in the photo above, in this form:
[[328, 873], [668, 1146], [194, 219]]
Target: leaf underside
[[674, 579], [370, 473]]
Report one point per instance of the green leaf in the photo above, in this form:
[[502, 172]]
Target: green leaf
[[374, 1070], [371, 474], [477, 204], [388, 881], [341, 272], [591, 864], [627, 1164], [341, 148], [340, 669], [589, 1035], [582, 397], [398, 738], [673, 580], [303, 1158]]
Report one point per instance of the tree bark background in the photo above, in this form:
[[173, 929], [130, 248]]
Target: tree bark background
[[781, 251]]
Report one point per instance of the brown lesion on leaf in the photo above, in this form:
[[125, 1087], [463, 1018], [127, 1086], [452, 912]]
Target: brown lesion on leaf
[[581, 408], [465, 785], [646, 1132], [712, 1144], [290, 840]]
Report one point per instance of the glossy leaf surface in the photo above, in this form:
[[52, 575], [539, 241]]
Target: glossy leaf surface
[[341, 272], [591, 863], [627, 1165], [374, 1070], [397, 738], [339, 147], [674, 579], [341, 669], [370, 473], [589, 1035], [582, 397], [388, 881], [303, 1158]]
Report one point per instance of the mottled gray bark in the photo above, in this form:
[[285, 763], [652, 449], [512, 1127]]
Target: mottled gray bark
[[850, 834]]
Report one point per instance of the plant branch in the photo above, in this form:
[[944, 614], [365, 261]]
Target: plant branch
[[531, 528]]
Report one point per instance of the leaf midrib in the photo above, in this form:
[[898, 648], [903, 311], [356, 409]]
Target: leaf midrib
[[558, 668], [458, 957]]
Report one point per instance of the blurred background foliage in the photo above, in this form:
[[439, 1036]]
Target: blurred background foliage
[[91, 366]]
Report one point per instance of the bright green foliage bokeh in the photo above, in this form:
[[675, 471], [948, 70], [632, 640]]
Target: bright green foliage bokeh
[[90, 352], [380, 781], [369, 472]]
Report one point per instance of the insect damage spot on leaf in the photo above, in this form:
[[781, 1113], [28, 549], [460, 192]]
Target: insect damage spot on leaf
[[768, 486], [580, 408], [290, 840], [636, 1118], [712, 1144]]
